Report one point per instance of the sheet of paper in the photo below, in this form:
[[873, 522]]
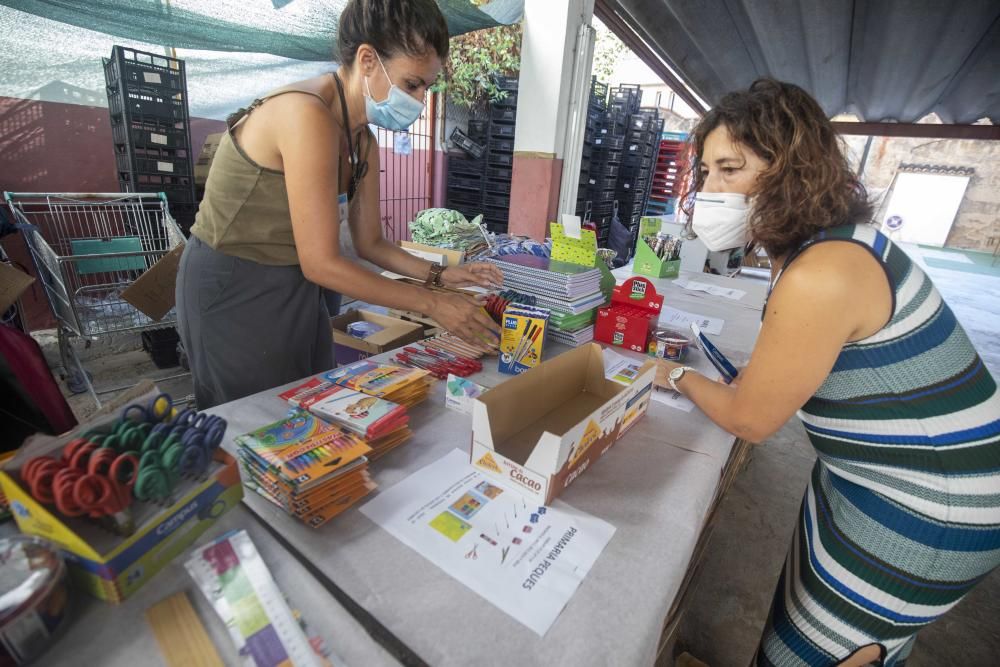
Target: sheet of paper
[[674, 399], [674, 318], [526, 560], [715, 290], [623, 370]]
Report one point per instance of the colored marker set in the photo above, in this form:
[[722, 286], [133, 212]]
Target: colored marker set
[[311, 469], [523, 338]]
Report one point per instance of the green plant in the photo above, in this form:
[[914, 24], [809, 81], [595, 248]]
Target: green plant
[[608, 49], [474, 58]]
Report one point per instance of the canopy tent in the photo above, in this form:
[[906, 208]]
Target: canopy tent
[[892, 60], [234, 50]]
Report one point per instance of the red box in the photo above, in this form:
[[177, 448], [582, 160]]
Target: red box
[[632, 316]]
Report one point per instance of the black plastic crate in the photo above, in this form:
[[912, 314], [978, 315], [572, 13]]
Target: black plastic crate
[[497, 201], [500, 131], [508, 83], [603, 182], [162, 166], [462, 141], [508, 101], [140, 68], [503, 115], [608, 156], [598, 89], [161, 345], [499, 173], [456, 181], [605, 171], [501, 145], [498, 187], [495, 212], [644, 137], [500, 160], [495, 227], [465, 166], [610, 143], [479, 129], [147, 104], [642, 162], [149, 135]]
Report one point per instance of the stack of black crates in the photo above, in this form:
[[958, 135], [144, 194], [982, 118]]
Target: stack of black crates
[[151, 128], [590, 166], [482, 184]]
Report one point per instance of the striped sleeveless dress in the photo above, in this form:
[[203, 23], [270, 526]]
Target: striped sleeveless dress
[[901, 517]]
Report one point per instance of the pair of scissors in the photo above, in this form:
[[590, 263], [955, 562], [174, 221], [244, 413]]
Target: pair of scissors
[[88, 479], [158, 410]]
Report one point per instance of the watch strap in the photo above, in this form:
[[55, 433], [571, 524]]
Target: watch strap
[[434, 275], [673, 382]]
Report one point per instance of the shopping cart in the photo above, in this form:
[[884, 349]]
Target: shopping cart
[[87, 248]]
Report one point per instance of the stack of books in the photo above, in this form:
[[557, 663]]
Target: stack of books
[[309, 468], [403, 386], [382, 424], [572, 292]]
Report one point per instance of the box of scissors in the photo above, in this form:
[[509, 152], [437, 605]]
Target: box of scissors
[[125, 492]]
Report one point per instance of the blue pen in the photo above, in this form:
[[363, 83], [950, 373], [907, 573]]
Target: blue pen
[[723, 365]]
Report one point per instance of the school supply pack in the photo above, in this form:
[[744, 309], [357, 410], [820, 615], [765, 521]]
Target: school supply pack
[[311, 469], [405, 386], [522, 338]]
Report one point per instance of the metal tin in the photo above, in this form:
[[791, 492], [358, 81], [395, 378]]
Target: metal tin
[[670, 345], [33, 597]]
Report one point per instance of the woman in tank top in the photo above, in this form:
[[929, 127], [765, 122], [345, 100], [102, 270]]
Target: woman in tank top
[[901, 517], [295, 169]]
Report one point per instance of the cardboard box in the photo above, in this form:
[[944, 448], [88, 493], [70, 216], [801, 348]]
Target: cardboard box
[[13, 283], [397, 333], [153, 293], [646, 263], [632, 316], [443, 256], [204, 162], [541, 430], [105, 565]]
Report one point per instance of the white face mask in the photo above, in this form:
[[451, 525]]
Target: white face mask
[[720, 219]]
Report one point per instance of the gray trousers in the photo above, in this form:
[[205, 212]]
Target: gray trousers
[[247, 327]]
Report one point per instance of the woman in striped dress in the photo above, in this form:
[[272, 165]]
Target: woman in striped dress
[[901, 517]]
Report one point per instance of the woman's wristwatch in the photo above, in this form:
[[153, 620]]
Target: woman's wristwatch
[[675, 376], [434, 275]]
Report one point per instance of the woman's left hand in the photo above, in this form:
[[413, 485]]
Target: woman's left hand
[[481, 274]]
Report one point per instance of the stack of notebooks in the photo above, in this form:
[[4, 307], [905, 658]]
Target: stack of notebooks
[[310, 469], [382, 424], [572, 292], [403, 386]]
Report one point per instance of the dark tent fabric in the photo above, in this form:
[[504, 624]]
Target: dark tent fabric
[[891, 60]]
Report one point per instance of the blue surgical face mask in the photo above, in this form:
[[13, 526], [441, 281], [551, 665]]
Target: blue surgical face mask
[[396, 112]]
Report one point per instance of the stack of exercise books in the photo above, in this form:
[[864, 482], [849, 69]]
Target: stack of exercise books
[[382, 424], [309, 468], [403, 386], [572, 292]]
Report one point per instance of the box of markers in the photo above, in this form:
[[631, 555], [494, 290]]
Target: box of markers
[[522, 338], [110, 566]]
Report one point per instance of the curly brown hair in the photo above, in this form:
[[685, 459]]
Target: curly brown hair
[[807, 186]]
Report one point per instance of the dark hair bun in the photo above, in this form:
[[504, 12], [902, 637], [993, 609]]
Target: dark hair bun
[[391, 27]]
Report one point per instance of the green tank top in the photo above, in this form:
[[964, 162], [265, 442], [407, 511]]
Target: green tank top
[[245, 209]]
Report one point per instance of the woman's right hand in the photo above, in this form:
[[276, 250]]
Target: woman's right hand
[[465, 317]]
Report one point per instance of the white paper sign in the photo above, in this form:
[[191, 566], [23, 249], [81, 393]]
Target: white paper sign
[[525, 559], [715, 290], [152, 77], [165, 166], [571, 225], [158, 138], [674, 318]]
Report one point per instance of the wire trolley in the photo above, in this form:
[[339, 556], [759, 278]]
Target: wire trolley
[[87, 248]]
